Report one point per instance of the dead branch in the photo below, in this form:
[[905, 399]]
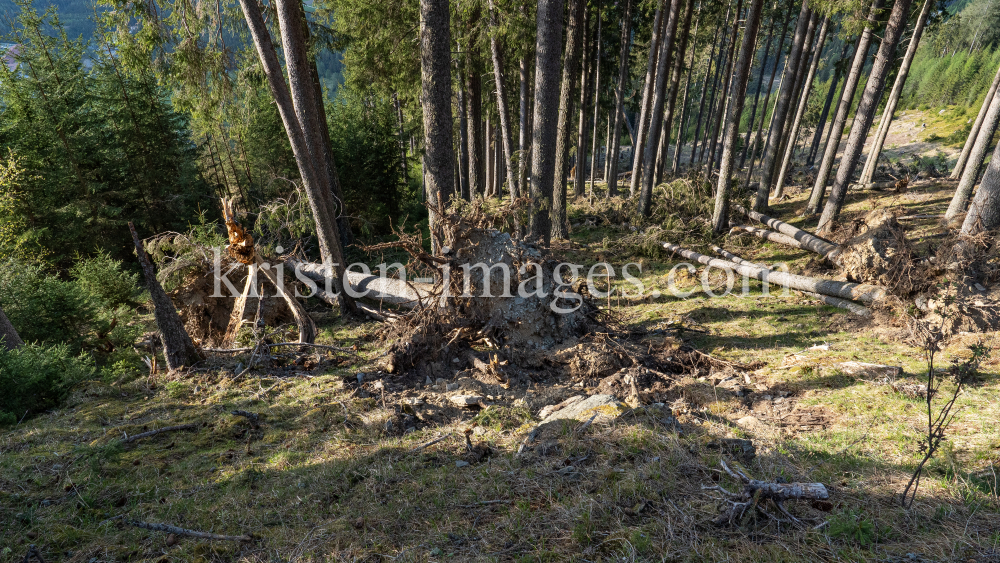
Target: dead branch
[[845, 290], [130, 439], [185, 532]]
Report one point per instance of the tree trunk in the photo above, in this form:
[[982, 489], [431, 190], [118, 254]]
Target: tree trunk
[[543, 138], [984, 213], [865, 114], [316, 189], [647, 96], [178, 349], [897, 90], [770, 87], [676, 165], [595, 148], [704, 96], [675, 82], [727, 84], [626, 42], [586, 70], [8, 335], [655, 123], [774, 140], [574, 36], [720, 217], [786, 163], [760, 83], [818, 134], [843, 108], [435, 85], [975, 161], [974, 133]]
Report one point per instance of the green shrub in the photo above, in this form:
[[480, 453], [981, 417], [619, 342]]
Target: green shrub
[[35, 378]]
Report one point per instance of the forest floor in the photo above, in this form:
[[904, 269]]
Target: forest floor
[[322, 477]]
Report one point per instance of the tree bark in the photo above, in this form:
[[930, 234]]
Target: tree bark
[[571, 59], [595, 149], [770, 88], [774, 140], [626, 42], [975, 161], [843, 109], [720, 217], [974, 133], [656, 115], [675, 82], [786, 163], [838, 73], [727, 80], [865, 114], [543, 170], [8, 335], [435, 88], [647, 96], [897, 90], [178, 349], [760, 83], [316, 188], [676, 165], [984, 213]]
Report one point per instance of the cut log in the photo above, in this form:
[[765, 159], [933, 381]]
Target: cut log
[[768, 235], [845, 290], [808, 241], [387, 290], [851, 306]]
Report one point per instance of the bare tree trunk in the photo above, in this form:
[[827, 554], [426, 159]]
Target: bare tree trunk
[[760, 83], [316, 189], [676, 165], [720, 217], [984, 213], [675, 82], [612, 179], [647, 96], [975, 161], [8, 335], [727, 82], [435, 84], [770, 87], [838, 73], [595, 149], [865, 114], [652, 142], [781, 110], [178, 349], [974, 133], [843, 108], [586, 70], [786, 163], [897, 90], [543, 165], [574, 39]]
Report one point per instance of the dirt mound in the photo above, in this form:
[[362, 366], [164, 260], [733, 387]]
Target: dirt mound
[[879, 253]]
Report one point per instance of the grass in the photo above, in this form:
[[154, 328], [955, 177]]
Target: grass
[[322, 480]]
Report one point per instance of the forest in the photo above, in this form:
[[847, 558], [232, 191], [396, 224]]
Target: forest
[[496, 280]]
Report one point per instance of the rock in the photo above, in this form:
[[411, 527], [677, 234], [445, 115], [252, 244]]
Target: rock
[[864, 369], [605, 406], [466, 400], [460, 464], [549, 409]]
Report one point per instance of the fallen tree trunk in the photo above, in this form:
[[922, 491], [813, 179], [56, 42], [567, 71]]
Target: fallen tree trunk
[[387, 290], [808, 241], [851, 306], [768, 235], [845, 290]]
